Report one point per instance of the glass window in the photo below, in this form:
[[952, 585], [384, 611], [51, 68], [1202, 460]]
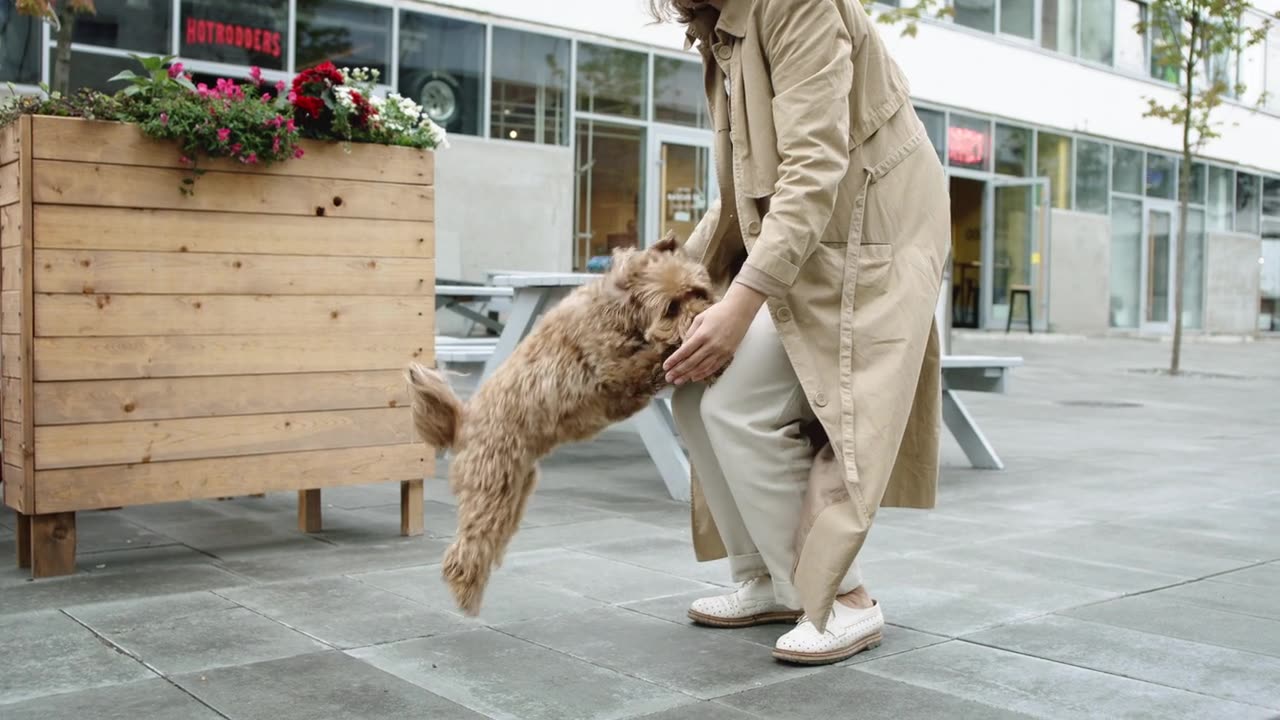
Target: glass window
[[1222, 185], [1165, 58], [969, 142], [609, 190], [1093, 167], [530, 87], [90, 70], [1197, 183], [1162, 176], [935, 124], [1126, 262], [1271, 197], [612, 81], [1253, 63], [348, 34], [1130, 45], [1248, 203], [236, 33], [1053, 160], [1058, 25], [1098, 22], [141, 25], [1193, 272], [1126, 171], [1018, 17], [976, 14], [1013, 150], [19, 46], [679, 95], [442, 68]]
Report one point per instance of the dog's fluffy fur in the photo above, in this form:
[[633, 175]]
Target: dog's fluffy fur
[[594, 359]]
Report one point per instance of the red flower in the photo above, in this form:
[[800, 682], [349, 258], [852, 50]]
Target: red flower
[[310, 106]]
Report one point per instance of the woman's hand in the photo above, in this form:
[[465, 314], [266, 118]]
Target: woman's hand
[[714, 336]]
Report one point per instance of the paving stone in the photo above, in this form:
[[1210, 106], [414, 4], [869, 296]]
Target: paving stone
[[507, 678], [595, 577], [704, 665], [845, 693], [583, 533], [232, 538], [155, 699], [105, 531], [1206, 669], [1006, 555], [1166, 616], [1261, 576], [673, 556], [111, 584], [1048, 689], [48, 653], [380, 522], [704, 710], [387, 553], [342, 612], [328, 686], [1227, 597], [508, 598], [196, 631]]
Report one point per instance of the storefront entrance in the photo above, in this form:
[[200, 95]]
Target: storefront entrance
[[999, 235], [680, 187]]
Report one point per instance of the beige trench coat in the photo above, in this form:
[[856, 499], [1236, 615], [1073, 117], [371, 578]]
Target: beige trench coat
[[833, 204]]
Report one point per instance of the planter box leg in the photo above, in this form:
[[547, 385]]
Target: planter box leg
[[53, 545], [411, 508], [309, 514], [23, 541]]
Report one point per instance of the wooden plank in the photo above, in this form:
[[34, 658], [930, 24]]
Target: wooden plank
[[199, 355], [118, 315], [116, 143], [12, 400], [112, 272], [10, 191], [125, 485], [310, 519], [23, 538], [11, 361], [13, 455], [65, 446], [11, 225], [11, 311], [92, 401], [411, 496], [53, 545], [27, 355], [10, 144], [11, 268], [76, 228], [58, 182], [15, 491]]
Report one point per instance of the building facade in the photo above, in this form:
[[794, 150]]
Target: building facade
[[578, 126]]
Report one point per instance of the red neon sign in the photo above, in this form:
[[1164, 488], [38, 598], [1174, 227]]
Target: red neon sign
[[966, 146], [209, 32]]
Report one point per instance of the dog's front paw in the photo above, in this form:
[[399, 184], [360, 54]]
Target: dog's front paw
[[463, 572]]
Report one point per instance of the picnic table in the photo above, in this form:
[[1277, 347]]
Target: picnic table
[[456, 297], [535, 293]]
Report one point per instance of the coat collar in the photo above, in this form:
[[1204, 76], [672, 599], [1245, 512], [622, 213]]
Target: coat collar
[[730, 21]]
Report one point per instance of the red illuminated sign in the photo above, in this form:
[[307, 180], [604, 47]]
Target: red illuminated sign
[[212, 33], [966, 146]]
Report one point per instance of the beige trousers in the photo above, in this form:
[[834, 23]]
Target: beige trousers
[[744, 439]]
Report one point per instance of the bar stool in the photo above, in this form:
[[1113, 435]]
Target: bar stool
[[1016, 291]]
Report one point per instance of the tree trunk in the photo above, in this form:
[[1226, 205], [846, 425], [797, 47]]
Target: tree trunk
[[62, 54], [1184, 200]]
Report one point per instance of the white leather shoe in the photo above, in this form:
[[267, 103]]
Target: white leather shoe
[[751, 604], [849, 631]]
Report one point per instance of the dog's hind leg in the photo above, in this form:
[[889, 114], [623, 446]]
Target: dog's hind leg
[[487, 519]]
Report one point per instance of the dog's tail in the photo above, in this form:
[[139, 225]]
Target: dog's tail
[[437, 411]]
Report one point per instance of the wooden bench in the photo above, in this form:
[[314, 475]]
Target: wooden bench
[[456, 298]]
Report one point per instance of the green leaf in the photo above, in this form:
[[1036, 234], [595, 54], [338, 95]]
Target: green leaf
[[123, 75]]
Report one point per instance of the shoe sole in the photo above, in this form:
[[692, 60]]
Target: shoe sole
[[869, 643], [773, 618]]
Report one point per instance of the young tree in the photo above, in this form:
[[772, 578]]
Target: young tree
[[1192, 43], [61, 14]]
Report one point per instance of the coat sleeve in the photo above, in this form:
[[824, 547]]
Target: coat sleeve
[[695, 246], [811, 67]]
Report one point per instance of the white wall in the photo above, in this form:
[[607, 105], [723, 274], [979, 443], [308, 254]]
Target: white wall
[[1080, 273], [1231, 283]]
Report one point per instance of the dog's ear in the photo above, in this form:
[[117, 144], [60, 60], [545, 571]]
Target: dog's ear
[[667, 244]]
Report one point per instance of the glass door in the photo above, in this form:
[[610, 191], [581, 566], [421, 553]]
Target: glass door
[[680, 187], [1159, 248], [1015, 250]]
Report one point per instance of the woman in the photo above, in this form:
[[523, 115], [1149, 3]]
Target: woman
[[829, 240]]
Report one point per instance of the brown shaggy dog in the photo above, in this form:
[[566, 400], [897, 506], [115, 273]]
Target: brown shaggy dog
[[592, 360]]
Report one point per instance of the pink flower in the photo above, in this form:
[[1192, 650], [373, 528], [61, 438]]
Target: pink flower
[[280, 86], [291, 126], [265, 98], [224, 134], [175, 70], [255, 74], [250, 159], [275, 144], [235, 149], [164, 118], [203, 90], [297, 153], [184, 159]]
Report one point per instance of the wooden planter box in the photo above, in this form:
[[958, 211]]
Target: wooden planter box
[[251, 337]]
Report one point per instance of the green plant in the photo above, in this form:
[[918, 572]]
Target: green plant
[[1190, 38]]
